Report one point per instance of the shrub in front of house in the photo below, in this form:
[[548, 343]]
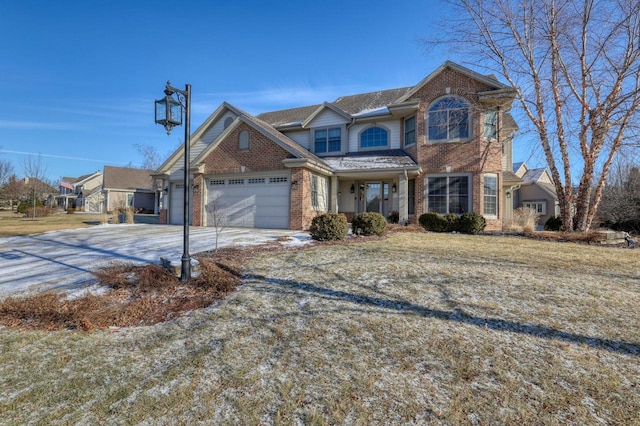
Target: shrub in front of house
[[554, 223], [472, 223], [329, 226], [394, 217], [433, 222], [452, 222], [369, 224], [468, 223]]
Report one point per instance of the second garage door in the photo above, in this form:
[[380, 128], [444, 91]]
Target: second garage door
[[255, 202]]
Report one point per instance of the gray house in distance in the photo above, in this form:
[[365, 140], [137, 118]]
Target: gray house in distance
[[536, 191]]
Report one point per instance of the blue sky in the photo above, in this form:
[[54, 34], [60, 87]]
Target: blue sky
[[78, 78]]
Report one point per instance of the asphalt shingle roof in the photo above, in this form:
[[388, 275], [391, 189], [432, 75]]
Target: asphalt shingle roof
[[127, 178]]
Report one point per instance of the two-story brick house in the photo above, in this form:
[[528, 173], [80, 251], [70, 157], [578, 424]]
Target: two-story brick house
[[441, 145]]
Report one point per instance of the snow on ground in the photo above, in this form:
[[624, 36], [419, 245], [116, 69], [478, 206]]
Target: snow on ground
[[63, 260]]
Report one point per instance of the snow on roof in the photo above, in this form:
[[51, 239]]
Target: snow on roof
[[393, 159], [532, 175], [373, 111]]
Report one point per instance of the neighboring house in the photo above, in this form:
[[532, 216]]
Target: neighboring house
[[536, 191], [27, 189], [116, 188], [127, 187], [73, 190], [443, 145]]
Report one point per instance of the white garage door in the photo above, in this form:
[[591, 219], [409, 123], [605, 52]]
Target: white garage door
[[256, 202], [176, 208]]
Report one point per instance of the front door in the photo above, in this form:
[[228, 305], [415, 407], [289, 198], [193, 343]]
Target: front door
[[373, 199], [376, 198]]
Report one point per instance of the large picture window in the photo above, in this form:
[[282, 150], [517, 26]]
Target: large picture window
[[374, 137], [491, 195], [448, 194], [448, 120], [327, 140]]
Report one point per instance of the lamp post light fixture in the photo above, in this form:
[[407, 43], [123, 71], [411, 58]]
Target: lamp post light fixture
[[168, 113]]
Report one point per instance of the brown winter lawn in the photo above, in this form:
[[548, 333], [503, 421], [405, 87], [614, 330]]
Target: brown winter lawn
[[418, 328], [14, 224]]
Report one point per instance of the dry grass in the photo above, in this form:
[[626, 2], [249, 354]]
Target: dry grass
[[524, 219], [13, 224], [135, 296], [419, 328]]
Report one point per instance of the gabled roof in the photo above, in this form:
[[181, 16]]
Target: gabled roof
[[267, 130], [533, 175], [288, 117], [366, 102], [510, 178], [488, 80], [323, 107], [346, 106], [516, 166], [127, 178], [81, 179]]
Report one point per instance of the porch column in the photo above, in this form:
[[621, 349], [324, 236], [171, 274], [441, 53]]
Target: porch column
[[333, 203], [403, 198]]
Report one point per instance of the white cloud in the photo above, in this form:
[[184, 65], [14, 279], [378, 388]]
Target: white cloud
[[17, 124]]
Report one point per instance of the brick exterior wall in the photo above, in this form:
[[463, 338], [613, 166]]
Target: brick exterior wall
[[476, 156], [163, 217], [263, 154], [198, 200], [301, 214]]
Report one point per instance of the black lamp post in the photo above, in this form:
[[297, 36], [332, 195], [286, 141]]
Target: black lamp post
[[169, 114]]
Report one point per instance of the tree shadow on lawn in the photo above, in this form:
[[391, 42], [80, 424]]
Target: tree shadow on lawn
[[497, 324]]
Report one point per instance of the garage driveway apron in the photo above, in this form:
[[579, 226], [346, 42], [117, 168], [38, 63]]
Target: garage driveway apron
[[63, 260]]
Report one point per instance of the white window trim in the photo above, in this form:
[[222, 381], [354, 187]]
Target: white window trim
[[312, 142], [374, 148], [534, 205], [240, 147], [484, 124], [425, 196], [497, 196], [469, 122], [415, 131]]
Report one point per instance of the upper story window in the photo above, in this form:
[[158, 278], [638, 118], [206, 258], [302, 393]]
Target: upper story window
[[227, 122], [410, 131], [327, 140], [490, 124], [374, 137], [243, 140], [448, 120]]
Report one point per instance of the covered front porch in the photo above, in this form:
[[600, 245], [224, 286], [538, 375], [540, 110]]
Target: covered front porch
[[380, 182]]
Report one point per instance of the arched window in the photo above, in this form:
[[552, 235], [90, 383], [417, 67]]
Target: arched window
[[448, 120], [374, 137], [243, 140], [227, 122]]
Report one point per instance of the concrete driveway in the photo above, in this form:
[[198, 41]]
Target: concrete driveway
[[63, 260]]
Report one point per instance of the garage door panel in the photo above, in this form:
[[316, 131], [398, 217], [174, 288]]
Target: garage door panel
[[262, 205]]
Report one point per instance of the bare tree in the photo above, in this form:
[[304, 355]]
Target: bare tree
[[576, 67], [151, 158], [35, 178], [621, 198], [6, 171], [217, 218]]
